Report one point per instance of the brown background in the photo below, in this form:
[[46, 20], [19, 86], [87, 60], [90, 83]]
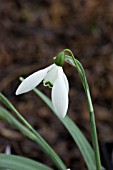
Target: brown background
[[31, 34]]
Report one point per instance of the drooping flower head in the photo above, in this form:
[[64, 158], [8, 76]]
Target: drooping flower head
[[53, 77]]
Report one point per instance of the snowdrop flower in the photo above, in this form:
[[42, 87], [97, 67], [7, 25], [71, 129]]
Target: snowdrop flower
[[53, 77], [8, 150]]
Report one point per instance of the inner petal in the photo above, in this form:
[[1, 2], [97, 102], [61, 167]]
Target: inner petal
[[51, 76]]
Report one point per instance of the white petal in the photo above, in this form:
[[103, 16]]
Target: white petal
[[66, 82], [32, 81], [51, 76], [8, 150], [60, 95]]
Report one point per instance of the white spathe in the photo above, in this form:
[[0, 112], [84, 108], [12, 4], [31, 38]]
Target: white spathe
[[52, 76], [70, 61]]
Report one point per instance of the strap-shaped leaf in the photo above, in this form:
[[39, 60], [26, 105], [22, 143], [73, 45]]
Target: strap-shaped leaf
[[29, 131], [82, 143], [13, 162], [5, 115]]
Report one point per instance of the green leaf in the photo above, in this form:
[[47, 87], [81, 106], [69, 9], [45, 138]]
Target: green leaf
[[44, 146], [5, 115], [82, 143], [13, 162]]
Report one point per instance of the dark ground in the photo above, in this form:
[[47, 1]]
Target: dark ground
[[31, 34]]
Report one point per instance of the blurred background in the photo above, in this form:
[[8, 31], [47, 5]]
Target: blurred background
[[31, 34]]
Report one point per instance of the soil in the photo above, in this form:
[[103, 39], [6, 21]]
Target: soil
[[31, 34]]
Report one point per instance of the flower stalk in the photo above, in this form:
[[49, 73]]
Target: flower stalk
[[71, 59]]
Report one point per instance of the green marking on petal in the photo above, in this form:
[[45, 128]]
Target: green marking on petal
[[48, 84]]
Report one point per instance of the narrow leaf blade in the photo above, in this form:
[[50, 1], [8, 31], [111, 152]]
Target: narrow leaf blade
[[13, 162], [82, 143]]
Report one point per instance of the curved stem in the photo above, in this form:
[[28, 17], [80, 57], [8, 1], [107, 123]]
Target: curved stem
[[90, 107]]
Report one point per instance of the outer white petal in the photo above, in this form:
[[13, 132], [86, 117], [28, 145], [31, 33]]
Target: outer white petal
[[66, 82], [32, 81], [60, 95]]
